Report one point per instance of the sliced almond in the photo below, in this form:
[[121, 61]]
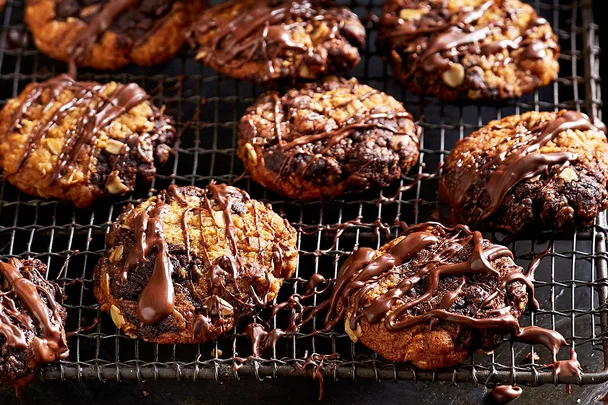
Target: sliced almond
[[116, 253], [113, 146], [251, 154], [117, 317], [55, 145], [411, 13], [353, 334], [226, 309]]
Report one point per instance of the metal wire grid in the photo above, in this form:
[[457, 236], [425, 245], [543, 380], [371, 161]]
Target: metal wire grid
[[571, 285]]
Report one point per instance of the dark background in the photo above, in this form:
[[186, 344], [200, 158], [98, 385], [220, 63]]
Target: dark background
[[297, 390]]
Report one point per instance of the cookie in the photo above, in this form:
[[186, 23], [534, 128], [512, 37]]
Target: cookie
[[432, 296], [187, 265], [327, 138], [31, 321], [108, 34], [275, 39], [78, 141], [538, 170], [468, 49]]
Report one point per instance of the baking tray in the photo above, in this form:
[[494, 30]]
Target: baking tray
[[571, 281]]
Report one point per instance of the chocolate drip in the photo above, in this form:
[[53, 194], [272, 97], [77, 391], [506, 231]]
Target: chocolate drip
[[230, 267], [265, 30], [85, 38], [453, 33], [49, 345], [522, 162], [503, 394], [357, 122], [156, 301], [360, 273], [363, 271], [261, 340], [100, 111]]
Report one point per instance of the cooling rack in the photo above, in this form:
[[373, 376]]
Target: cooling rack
[[571, 281]]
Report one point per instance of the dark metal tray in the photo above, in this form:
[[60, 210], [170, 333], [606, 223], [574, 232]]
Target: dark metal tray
[[571, 282]]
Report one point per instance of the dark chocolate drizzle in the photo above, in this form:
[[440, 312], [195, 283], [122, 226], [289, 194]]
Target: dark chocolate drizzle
[[456, 34], [83, 41], [264, 30], [49, 344], [332, 136], [522, 162], [157, 299], [100, 111], [503, 394], [363, 271]]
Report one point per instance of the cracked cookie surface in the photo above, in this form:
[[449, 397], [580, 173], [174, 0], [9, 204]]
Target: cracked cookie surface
[[187, 265], [78, 141], [326, 139], [468, 49], [538, 170], [431, 297], [31, 321], [277, 39], [108, 34]]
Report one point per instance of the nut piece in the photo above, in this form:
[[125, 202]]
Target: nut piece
[[114, 185], [55, 145], [114, 147], [454, 76], [353, 334], [411, 13], [116, 253], [568, 174], [251, 154], [226, 309], [396, 140], [116, 316]]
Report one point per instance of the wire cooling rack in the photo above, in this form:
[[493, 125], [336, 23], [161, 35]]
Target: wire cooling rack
[[571, 282]]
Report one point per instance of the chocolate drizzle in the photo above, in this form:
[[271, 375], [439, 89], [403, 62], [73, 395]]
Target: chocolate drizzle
[[523, 161], [331, 134], [416, 299], [265, 30], [83, 41], [235, 285], [100, 111], [447, 35], [49, 344]]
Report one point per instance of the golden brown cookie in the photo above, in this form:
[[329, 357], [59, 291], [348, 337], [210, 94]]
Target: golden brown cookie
[[262, 40], [108, 34], [326, 139], [538, 170], [187, 265], [468, 49], [31, 321], [432, 296], [79, 141]]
